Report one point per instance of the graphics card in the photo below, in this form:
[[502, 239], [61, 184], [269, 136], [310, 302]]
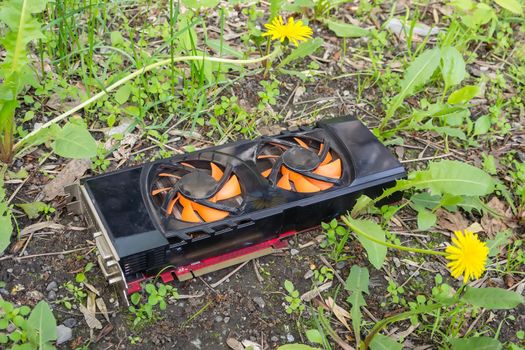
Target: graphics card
[[187, 215]]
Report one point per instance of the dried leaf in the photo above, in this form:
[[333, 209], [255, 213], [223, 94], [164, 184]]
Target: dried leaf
[[92, 288], [40, 226], [90, 318], [69, 174], [234, 344], [315, 292], [102, 307], [338, 311], [451, 221]]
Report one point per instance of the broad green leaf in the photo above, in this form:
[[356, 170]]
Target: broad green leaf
[[296, 347], [302, 51], [43, 322], [382, 342], [6, 230], [425, 219], [275, 8], [314, 336], [482, 125], [362, 203], [345, 30], [463, 95], [418, 73], [122, 94], [74, 141], [215, 45], [512, 5], [33, 209], [298, 5], [495, 244], [197, 4], [422, 200], [452, 66], [478, 343], [357, 280], [376, 252], [455, 178], [356, 300], [492, 298], [288, 286]]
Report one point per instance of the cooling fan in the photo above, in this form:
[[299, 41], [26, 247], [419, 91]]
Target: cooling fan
[[200, 192], [299, 164], [194, 213]]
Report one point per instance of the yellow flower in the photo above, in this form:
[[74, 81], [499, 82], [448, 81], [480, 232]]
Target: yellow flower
[[293, 31], [468, 256]]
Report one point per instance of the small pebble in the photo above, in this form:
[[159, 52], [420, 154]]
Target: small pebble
[[260, 302], [340, 265], [294, 251], [290, 338], [309, 274], [52, 286], [63, 334], [51, 295], [10, 270], [4, 291], [274, 339], [226, 319], [70, 322], [218, 319]]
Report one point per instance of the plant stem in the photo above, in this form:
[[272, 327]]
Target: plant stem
[[402, 316], [387, 244], [135, 74]]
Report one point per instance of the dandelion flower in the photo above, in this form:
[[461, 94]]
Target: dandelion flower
[[467, 255], [293, 31]]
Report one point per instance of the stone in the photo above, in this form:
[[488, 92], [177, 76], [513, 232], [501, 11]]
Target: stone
[[290, 338], [260, 302], [4, 291], [227, 319], [218, 319], [51, 295], [340, 265], [294, 251], [70, 322], [309, 274], [274, 339], [52, 286], [63, 334]]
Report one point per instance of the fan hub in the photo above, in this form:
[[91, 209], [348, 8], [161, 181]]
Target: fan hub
[[197, 185], [300, 159]]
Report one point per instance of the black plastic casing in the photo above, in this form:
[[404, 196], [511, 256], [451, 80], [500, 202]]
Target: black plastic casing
[[147, 241]]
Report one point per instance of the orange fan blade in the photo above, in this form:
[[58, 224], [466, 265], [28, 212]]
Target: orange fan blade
[[188, 165], [188, 214], [172, 204], [301, 142], [302, 184], [284, 182], [159, 190], [321, 184], [229, 190], [285, 171], [266, 156], [266, 173], [216, 172], [328, 157], [332, 170], [209, 214], [169, 175]]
